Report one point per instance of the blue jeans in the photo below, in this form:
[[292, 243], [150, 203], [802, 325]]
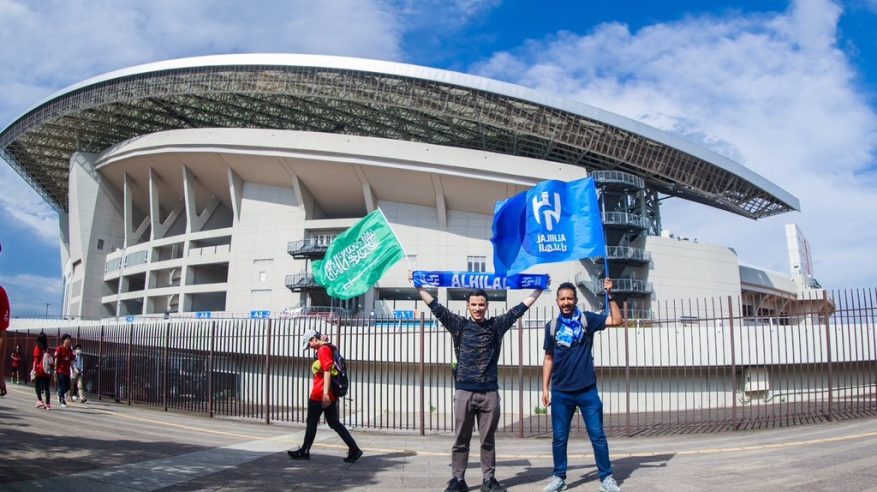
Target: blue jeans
[[563, 406]]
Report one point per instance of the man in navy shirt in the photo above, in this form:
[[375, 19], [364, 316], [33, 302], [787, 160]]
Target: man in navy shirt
[[568, 381]]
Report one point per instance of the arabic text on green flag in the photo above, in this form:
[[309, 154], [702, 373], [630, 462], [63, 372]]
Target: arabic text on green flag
[[359, 257]]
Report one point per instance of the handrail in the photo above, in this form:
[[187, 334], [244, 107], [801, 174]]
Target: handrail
[[627, 253], [626, 219], [618, 177]]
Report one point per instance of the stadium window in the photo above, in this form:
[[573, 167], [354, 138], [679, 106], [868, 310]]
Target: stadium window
[[100, 244], [477, 264], [263, 276]]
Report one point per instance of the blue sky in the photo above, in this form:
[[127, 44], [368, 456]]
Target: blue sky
[[785, 88]]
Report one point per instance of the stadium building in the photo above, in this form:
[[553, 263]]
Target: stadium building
[[209, 185]]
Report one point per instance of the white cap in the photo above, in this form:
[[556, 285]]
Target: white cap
[[307, 336]]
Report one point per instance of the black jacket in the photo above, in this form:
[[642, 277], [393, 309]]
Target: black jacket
[[477, 345]]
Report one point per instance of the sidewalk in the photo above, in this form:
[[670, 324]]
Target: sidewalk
[[103, 445]]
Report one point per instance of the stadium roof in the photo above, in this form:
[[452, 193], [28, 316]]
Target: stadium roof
[[368, 98]]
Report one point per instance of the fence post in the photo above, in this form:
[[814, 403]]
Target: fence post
[[128, 363], [100, 369], [165, 357], [520, 378], [421, 370], [626, 371], [828, 353], [210, 369], [733, 365], [267, 394]]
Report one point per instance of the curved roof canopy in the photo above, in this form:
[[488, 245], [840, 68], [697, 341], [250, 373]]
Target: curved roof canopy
[[368, 98]]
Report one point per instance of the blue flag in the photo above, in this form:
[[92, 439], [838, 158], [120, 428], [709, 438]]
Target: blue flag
[[552, 222]]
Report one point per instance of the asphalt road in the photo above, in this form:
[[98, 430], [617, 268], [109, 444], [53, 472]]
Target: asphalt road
[[103, 445]]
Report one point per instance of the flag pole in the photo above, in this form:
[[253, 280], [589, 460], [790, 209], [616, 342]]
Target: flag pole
[[602, 203], [405, 253]]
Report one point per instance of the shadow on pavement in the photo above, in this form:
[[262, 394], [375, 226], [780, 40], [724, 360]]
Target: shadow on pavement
[[622, 468]]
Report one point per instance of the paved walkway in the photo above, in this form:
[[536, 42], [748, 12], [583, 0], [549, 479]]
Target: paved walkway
[[103, 445]]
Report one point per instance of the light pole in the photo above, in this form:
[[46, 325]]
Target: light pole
[[47, 310]]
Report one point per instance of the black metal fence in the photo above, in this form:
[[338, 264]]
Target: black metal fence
[[695, 366]]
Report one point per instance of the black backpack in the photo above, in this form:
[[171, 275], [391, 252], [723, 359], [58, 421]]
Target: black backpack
[[340, 382]]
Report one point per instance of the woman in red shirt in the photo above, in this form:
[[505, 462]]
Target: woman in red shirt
[[323, 400], [41, 378]]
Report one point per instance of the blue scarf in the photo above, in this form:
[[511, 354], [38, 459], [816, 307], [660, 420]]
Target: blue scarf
[[475, 280], [573, 324]]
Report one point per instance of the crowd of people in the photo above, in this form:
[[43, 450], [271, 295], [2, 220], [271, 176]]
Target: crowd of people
[[63, 365]]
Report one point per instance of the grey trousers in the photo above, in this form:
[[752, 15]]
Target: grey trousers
[[469, 406]]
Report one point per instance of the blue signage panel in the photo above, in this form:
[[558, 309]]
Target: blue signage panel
[[403, 314], [203, 314], [129, 319], [260, 314]]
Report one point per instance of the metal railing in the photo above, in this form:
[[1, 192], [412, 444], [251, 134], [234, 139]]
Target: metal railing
[[307, 248], [627, 254], [625, 219], [698, 366], [619, 178], [300, 281], [620, 285]]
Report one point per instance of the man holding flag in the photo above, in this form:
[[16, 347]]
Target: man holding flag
[[569, 381], [477, 343]]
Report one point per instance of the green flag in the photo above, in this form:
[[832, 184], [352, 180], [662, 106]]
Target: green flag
[[359, 257]]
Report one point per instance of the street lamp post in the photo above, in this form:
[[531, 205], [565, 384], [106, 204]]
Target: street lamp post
[[47, 310]]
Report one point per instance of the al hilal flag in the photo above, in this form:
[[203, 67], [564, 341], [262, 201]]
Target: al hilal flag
[[359, 257]]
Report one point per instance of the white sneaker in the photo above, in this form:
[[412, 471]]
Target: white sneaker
[[609, 485], [555, 485]]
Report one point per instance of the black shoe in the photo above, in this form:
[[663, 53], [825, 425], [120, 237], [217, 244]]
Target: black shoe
[[491, 485], [457, 485], [299, 454], [353, 455]]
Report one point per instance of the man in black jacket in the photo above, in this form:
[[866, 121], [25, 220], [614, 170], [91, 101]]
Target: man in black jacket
[[477, 343]]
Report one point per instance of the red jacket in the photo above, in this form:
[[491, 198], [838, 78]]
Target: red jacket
[[5, 309]]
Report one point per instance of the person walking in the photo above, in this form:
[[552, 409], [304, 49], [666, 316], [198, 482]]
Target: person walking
[[63, 358], [5, 315], [477, 344], [77, 375], [323, 400], [39, 375], [17, 376], [569, 381]]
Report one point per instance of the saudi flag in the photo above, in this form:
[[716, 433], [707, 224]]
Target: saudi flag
[[359, 257]]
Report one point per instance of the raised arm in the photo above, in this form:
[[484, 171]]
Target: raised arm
[[532, 298], [424, 294], [614, 318]]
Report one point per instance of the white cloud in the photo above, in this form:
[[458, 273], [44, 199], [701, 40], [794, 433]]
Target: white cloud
[[21, 204], [770, 91], [28, 294], [51, 44]]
